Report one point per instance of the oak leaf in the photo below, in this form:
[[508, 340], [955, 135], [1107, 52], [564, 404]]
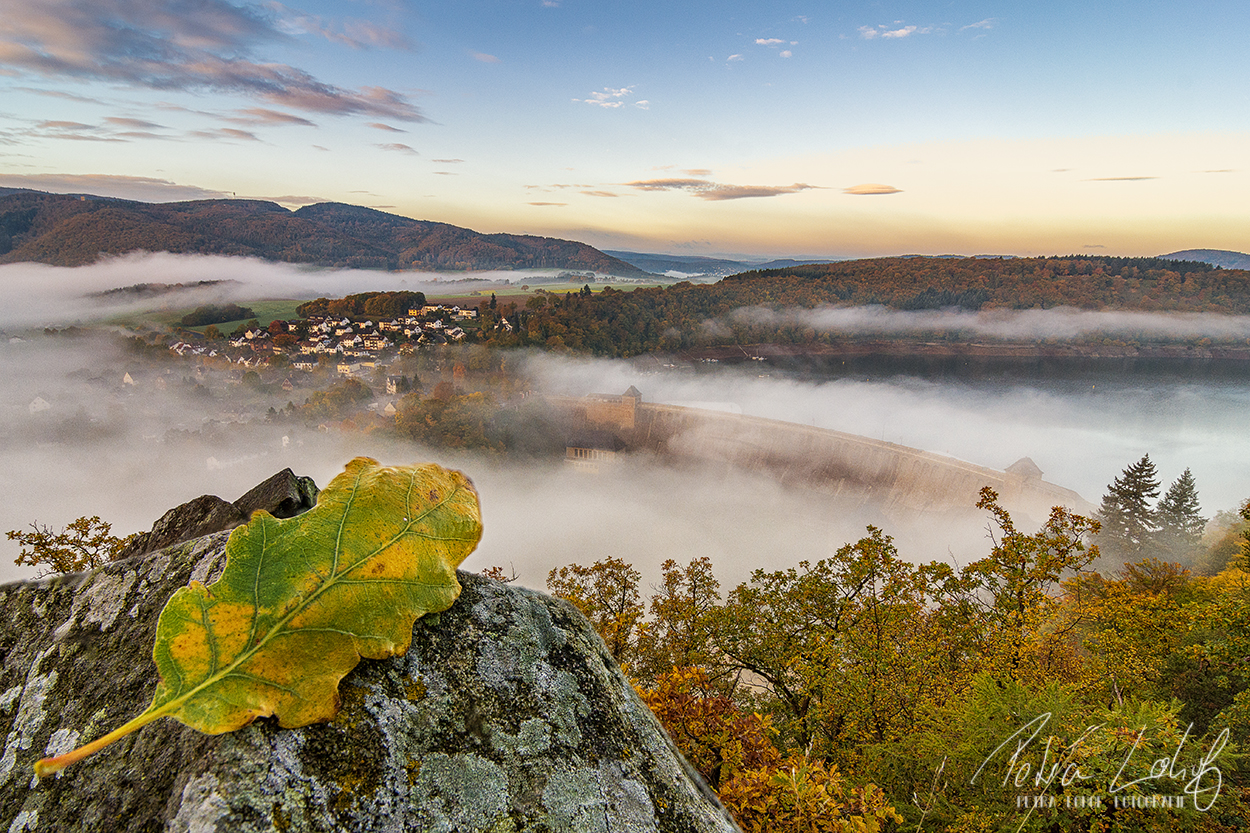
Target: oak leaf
[[302, 600]]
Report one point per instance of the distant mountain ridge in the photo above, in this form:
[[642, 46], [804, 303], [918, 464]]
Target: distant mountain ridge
[[74, 230], [1215, 257], [699, 266]]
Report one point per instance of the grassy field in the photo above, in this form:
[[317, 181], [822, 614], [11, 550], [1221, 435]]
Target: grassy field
[[266, 311]]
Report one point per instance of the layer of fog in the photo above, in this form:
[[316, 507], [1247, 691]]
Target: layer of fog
[[128, 453], [57, 296], [1058, 323], [1080, 435]]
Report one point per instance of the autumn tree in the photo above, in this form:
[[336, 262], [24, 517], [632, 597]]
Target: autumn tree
[[85, 544], [606, 593]]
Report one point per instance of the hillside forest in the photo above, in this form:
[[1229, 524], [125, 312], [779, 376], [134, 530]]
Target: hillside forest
[[683, 316]]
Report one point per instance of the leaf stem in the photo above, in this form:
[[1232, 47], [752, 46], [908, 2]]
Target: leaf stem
[[49, 766]]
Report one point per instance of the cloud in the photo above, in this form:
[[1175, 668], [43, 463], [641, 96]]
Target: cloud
[[871, 188], [786, 53], [768, 41], [484, 57], [610, 97], [698, 171], [377, 125], [133, 124], [600, 194], [176, 45], [735, 57], [357, 34], [398, 147], [549, 203], [881, 31], [1120, 178], [263, 115], [713, 191], [226, 133], [142, 188], [448, 161], [988, 23]]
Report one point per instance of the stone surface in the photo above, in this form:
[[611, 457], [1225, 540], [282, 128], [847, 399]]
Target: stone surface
[[284, 495], [507, 714]]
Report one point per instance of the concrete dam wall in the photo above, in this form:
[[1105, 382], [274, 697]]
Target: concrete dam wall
[[858, 470]]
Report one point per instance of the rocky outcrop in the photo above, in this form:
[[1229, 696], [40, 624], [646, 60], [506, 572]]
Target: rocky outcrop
[[284, 495], [507, 714]]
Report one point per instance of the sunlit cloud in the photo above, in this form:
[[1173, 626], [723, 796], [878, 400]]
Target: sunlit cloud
[[377, 125], [714, 191], [170, 45], [484, 57], [768, 41], [549, 203], [600, 193], [735, 57], [263, 115], [870, 188], [399, 147], [133, 124]]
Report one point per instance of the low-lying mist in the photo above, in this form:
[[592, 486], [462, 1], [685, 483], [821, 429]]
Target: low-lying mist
[[130, 452]]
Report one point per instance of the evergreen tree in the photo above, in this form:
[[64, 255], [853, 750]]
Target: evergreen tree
[[1129, 523], [1180, 525]]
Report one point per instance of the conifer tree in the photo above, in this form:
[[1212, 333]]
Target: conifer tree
[[1129, 522], [1180, 525]]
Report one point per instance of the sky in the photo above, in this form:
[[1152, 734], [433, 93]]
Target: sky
[[815, 129]]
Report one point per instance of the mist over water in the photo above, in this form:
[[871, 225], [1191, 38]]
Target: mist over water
[[129, 453]]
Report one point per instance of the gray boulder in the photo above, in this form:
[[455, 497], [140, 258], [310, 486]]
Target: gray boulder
[[507, 714], [283, 495]]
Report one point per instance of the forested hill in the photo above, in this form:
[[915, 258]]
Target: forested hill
[[68, 230], [687, 315]]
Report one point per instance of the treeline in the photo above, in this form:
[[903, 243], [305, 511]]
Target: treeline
[[613, 323], [1020, 692], [371, 305], [216, 314]]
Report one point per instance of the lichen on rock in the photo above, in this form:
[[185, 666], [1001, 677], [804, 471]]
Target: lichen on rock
[[506, 714]]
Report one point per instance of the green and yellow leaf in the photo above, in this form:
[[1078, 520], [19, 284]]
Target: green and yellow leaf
[[302, 600]]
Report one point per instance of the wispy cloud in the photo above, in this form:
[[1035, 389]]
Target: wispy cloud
[[988, 23], [600, 193], [735, 57], [357, 34], [484, 57], [399, 147], [612, 98], [769, 41], [713, 191], [132, 124], [177, 45], [1120, 178], [557, 204], [144, 188], [377, 125], [449, 161], [871, 188]]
